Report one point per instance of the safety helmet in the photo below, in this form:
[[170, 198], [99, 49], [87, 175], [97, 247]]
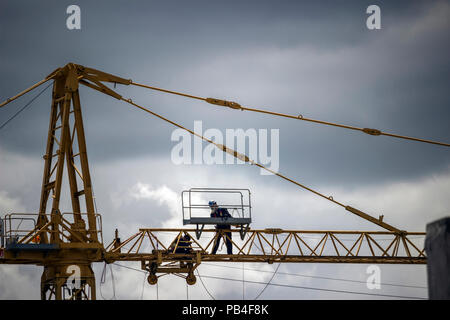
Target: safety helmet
[[211, 203]]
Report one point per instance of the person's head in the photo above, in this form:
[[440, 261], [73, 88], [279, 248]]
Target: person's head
[[213, 205]]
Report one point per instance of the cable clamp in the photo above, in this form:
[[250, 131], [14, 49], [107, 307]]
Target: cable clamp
[[224, 103], [372, 132]]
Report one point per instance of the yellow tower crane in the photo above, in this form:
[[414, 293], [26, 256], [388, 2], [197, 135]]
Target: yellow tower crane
[[66, 244]]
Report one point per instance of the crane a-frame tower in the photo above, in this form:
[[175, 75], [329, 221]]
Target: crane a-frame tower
[[66, 244]]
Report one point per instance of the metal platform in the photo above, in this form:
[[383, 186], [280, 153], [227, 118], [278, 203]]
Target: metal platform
[[229, 221], [196, 210]]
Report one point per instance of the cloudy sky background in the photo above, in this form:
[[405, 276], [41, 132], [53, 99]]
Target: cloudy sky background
[[309, 58]]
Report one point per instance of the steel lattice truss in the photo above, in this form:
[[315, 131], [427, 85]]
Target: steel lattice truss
[[274, 245]]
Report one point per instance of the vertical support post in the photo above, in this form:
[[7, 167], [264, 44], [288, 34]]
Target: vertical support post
[[87, 184], [47, 185], [437, 247], [72, 177], [116, 240]]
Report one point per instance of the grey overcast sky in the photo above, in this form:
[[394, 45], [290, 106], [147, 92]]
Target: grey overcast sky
[[315, 58]]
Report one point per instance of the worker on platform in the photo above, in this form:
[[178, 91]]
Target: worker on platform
[[223, 230], [36, 239], [181, 244], [185, 245]]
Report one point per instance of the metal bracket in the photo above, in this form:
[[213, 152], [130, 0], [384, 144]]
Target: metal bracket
[[243, 231], [198, 231]]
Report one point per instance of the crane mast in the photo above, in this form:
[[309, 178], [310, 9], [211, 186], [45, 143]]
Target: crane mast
[[64, 240]]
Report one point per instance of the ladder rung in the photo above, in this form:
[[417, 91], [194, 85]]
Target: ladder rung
[[46, 156], [79, 193], [50, 185]]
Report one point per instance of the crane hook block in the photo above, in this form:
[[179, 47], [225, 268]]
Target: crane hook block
[[373, 132], [224, 103]]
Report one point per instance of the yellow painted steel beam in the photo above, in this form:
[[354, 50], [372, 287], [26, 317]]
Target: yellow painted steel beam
[[273, 245], [264, 259]]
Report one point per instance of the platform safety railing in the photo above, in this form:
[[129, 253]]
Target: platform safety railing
[[21, 228], [196, 210]]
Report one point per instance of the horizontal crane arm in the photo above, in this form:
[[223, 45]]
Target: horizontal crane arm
[[275, 245]]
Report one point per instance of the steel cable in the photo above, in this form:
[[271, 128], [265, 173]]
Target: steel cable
[[247, 160], [234, 105]]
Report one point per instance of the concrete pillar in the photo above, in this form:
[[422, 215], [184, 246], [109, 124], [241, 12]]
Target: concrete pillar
[[2, 234], [437, 247]]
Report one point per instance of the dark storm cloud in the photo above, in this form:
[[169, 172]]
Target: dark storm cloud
[[313, 58]]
